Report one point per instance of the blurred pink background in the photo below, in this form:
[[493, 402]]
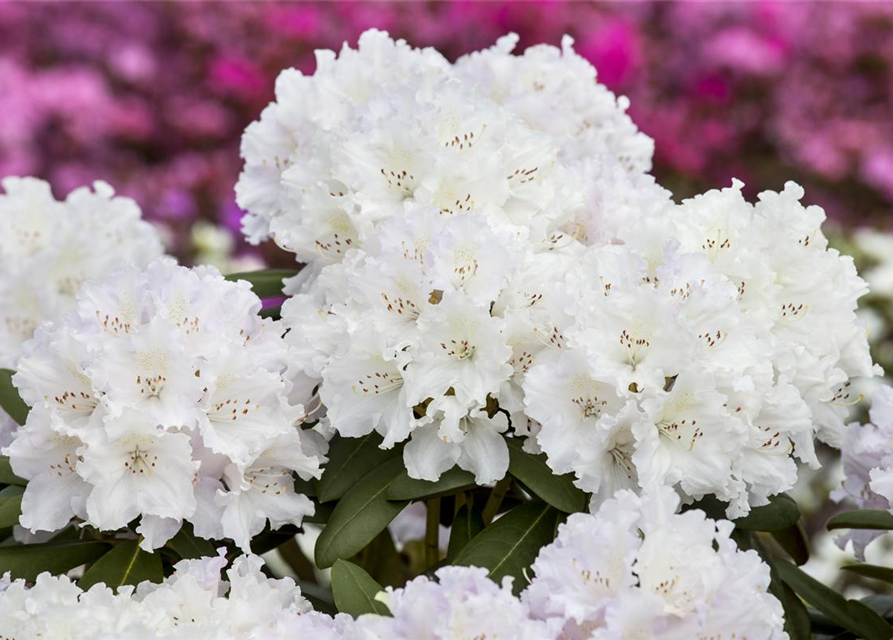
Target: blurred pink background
[[153, 97]]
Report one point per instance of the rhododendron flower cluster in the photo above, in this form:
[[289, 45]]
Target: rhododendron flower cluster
[[868, 467], [636, 567], [434, 219], [163, 396], [49, 248], [639, 569], [194, 602], [713, 341], [462, 603], [489, 258]]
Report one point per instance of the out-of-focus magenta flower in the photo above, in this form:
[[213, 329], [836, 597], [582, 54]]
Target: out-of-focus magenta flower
[[614, 50], [153, 97], [237, 76]]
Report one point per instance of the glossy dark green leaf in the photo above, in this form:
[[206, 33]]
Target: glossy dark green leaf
[[852, 615], [781, 512], [381, 560], [349, 460], [10, 400], [268, 539], [884, 574], [361, 514], [189, 546], [880, 604], [533, 472], [10, 505], [406, 488], [6, 474], [302, 567], [27, 561], [795, 543], [125, 564], [355, 590], [266, 283], [466, 525], [796, 617], [510, 545], [862, 519]]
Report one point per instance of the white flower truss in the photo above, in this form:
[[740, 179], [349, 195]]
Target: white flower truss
[[194, 602], [637, 569], [868, 467], [435, 215], [163, 396], [705, 348], [462, 603], [49, 248]]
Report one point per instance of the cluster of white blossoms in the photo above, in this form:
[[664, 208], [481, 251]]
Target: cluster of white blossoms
[[435, 210], [709, 345], [488, 257], [868, 467], [165, 396], [194, 602], [49, 248], [636, 569], [462, 603]]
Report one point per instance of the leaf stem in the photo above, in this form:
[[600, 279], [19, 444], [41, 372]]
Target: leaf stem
[[495, 500], [432, 532]]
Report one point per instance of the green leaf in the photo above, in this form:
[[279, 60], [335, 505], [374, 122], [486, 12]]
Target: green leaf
[[10, 400], [270, 539], [355, 590], [349, 460], [29, 560], [10, 506], [6, 474], [535, 474], [510, 545], [880, 604], [877, 519], [266, 283], [125, 564], [360, 515], [852, 615], [406, 488], [795, 543], [884, 574], [781, 512], [190, 547], [466, 525], [291, 554], [796, 617], [381, 560]]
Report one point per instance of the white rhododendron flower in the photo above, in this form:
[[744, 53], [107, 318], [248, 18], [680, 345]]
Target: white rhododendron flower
[[462, 603], [162, 396], [639, 569], [868, 467], [692, 359], [194, 602], [435, 218], [48, 249]]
